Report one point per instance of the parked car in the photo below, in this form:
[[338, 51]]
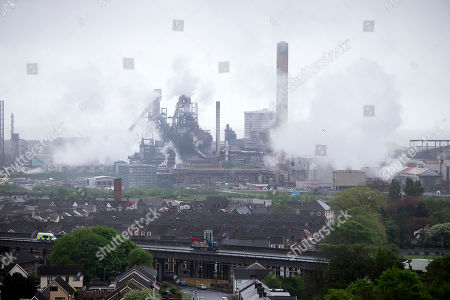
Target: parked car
[[182, 283], [202, 286]]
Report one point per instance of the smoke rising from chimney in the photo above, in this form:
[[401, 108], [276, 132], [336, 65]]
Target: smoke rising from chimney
[[336, 118]]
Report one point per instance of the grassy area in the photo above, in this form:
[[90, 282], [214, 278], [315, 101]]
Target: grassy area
[[277, 197], [183, 194]]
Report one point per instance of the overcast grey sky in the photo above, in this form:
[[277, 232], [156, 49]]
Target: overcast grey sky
[[402, 66]]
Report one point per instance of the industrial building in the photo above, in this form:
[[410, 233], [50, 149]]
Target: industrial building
[[429, 179], [282, 83], [138, 175], [100, 182], [344, 179], [258, 121]]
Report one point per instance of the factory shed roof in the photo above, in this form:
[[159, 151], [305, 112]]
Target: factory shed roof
[[419, 172]]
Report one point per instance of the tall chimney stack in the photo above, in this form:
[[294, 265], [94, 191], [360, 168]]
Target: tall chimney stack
[[218, 128], [118, 189], [282, 83]]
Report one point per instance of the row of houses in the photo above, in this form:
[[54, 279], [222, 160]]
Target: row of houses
[[62, 282]]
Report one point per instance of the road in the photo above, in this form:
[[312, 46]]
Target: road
[[255, 255], [207, 294], [226, 253]]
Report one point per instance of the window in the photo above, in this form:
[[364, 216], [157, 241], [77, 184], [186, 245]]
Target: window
[[67, 278], [53, 289], [76, 278]]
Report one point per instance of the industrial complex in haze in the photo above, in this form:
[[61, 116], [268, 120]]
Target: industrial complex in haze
[[180, 152], [245, 150]]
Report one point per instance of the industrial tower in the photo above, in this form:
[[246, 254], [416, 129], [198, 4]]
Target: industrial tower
[[282, 83]]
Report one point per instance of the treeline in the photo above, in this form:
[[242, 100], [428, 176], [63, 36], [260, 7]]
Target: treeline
[[363, 251], [183, 194]]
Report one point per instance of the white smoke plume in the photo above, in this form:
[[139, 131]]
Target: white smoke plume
[[184, 81], [336, 118]]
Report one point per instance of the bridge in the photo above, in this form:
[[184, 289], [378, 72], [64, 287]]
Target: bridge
[[187, 262]]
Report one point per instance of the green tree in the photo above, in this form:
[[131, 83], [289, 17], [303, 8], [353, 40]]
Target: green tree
[[363, 197], [413, 188], [384, 259], [338, 294], [438, 234], [363, 227], [438, 210], [400, 284], [86, 247], [16, 287], [395, 191], [437, 278], [362, 289], [273, 281], [164, 286], [418, 188], [294, 285], [140, 256], [347, 263], [352, 232], [145, 294], [392, 233], [175, 291]]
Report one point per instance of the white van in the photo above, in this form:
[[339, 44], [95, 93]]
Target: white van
[[43, 236]]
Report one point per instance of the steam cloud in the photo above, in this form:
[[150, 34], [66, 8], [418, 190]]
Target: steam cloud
[[336, 118]]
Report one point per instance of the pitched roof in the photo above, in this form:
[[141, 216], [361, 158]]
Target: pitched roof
[[119, 292], [142, 270], [242, 274], [64, 285], [419, 171], [39, 296], [315, 205], [60, 270]]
